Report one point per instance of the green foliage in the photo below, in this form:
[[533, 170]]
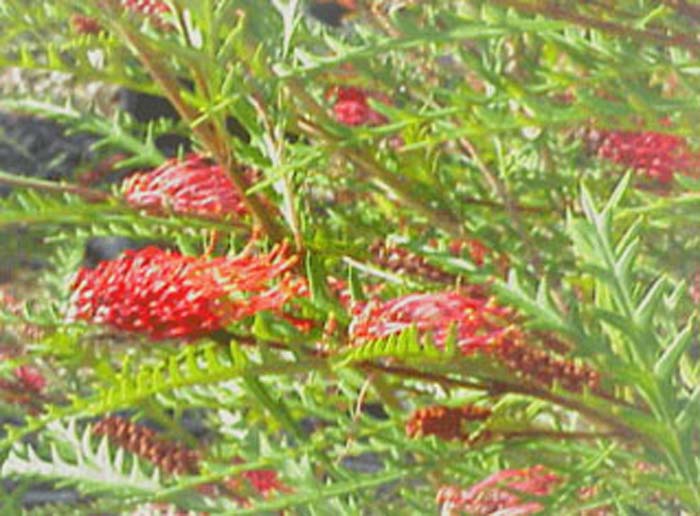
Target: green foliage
[[93, 468], [485, 173]]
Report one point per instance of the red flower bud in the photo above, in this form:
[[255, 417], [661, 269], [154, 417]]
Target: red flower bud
[[192, 186], [352, 107], [478, 322], [657, 155]]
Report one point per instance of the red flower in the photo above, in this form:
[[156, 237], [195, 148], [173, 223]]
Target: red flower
[[166, 295], [265, 482], [192, 186], [657, 155], [30, 378], [478, 322], [498, 493], [153, 8], [147, 7], [262, 482], [352, 108]]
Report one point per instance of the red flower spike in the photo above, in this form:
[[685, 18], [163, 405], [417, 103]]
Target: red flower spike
[[499, 493], [656, 155], [163, 294], [478, 322], [352, 107], [193, 186]]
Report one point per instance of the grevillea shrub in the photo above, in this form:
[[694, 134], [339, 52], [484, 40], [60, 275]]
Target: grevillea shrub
[[408, 258]]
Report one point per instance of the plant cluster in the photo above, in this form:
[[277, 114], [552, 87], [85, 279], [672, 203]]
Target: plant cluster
[[380, 257]]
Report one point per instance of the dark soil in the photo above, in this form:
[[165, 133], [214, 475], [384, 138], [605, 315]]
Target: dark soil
[[36, 147]]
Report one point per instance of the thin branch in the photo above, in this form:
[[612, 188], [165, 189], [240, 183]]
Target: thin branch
[[88, 194], [206, 132], [511, 207], [395, 184]]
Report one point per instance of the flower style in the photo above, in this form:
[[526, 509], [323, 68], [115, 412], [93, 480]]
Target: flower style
[[478, 322], [192, 186], [167, 295], [352, 107], [657, 155], [499, 493]]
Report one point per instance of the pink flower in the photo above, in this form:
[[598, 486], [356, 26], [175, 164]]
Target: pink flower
[[167, 295], [192, 186], [499, 493], [657, 155], [478, 322], [352, 107]]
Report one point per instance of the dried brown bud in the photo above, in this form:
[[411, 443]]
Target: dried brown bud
[[447, 423], [171, 457], [403, 261], [539, 365]]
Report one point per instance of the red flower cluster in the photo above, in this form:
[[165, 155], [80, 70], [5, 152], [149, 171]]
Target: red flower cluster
[[192, 186], [30, 378], [498, 493], [265, 482], [478, 322], [166, 295], [352, 107], [152, 8], [147, 7], [657, 155], [261, 482]]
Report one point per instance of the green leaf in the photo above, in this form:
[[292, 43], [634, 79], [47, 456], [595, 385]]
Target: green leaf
[[668, 362]]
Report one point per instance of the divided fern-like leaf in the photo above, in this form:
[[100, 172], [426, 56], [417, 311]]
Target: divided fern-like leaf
[[195, 365], [405, 345], [91, 468]]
